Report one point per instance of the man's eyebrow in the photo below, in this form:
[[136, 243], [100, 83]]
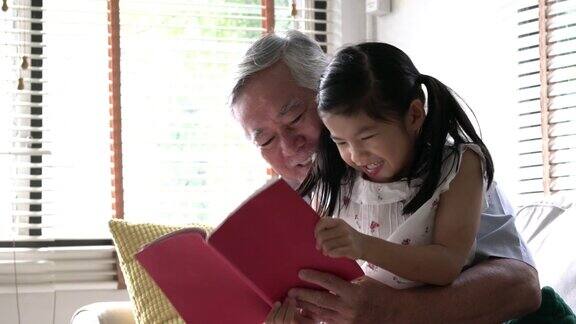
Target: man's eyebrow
[[257, 134], [288, 107]]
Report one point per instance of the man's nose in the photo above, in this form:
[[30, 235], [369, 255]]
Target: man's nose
[[291, 143]]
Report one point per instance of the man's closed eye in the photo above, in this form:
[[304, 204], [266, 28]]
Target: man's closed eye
[[266, 143]]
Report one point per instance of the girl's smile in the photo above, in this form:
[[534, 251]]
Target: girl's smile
[[381, 150], [371, 170]]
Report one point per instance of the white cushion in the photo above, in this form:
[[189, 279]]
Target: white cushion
[[104, 313], [549, 229]]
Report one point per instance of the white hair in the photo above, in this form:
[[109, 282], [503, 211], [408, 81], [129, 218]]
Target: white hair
[[303, 56]]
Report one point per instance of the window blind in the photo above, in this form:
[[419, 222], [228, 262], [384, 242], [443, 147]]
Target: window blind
[[54, 153], [184, 153], [56, 163], [318, 19], [547, 98], [22, 149], [77, 85], [185, 158], [47, 269]]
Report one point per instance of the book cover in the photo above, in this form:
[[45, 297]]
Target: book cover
[[249, 262]]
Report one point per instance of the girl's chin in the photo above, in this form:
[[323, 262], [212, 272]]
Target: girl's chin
[[377, 175], [376, 178]]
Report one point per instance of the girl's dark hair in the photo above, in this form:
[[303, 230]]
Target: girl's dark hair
[[381, 81]]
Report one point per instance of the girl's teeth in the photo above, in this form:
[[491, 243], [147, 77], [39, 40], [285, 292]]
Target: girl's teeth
[[373, 165]]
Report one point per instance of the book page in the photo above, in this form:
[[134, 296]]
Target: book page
[[200, 284], [271, 237]]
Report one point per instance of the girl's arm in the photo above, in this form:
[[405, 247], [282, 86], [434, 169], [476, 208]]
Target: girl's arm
[[456, 225]]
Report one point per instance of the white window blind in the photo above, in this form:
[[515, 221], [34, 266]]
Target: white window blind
[[185, 158], [53, 163], [15, 114], [318, 19], [54, 140], [54, 151], [78, 118], [547, 99], [22, 130], [48, 269]]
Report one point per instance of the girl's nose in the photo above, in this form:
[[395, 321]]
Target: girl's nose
[[359, 156]]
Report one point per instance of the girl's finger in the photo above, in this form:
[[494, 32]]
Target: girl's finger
[[339, 242], [340, 252], [329, 234], [326, 223]]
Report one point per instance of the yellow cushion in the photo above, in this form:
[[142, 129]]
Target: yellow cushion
[[150, 304]]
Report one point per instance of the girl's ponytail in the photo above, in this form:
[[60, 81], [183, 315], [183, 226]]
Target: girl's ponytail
[[444, 117]]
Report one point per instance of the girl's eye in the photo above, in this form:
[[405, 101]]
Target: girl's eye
[[367, 137]]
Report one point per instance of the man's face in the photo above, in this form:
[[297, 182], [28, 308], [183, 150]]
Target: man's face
[[280, 117]]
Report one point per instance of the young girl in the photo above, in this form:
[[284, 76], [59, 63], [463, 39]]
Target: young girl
[[402, 176]]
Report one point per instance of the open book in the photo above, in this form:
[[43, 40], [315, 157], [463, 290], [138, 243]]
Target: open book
[[249, 262]]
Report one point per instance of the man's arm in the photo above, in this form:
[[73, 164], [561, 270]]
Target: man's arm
[[490, 292]]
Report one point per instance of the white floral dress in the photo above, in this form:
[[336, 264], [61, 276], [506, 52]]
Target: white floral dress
[[376, 209]]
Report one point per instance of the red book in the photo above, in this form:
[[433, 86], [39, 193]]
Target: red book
[[249, 262]]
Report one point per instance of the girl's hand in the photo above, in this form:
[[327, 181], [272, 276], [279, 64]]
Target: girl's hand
[[286, 313], [338, 239]]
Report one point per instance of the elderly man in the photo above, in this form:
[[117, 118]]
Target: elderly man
[[274, 100]]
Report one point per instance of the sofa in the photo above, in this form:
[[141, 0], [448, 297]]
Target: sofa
[[548, 227]]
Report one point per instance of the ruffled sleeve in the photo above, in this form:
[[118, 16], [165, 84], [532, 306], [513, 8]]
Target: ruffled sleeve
[[451, 166]]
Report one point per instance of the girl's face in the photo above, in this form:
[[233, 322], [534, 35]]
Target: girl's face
[[381, 150]]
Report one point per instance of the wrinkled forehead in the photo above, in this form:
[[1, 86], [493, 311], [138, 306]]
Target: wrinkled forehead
[[260, 109], [257, 115], [268, 97], [255, 99]]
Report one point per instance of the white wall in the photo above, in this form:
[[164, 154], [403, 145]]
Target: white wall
[[353, 20], [470, 46], [52, 308]]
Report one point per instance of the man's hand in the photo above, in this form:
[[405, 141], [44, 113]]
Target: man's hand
[[338, 239], [286, 313], [345, 303], [490, 292]]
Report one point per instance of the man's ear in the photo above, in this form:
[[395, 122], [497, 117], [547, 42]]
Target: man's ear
[[415, 117]]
